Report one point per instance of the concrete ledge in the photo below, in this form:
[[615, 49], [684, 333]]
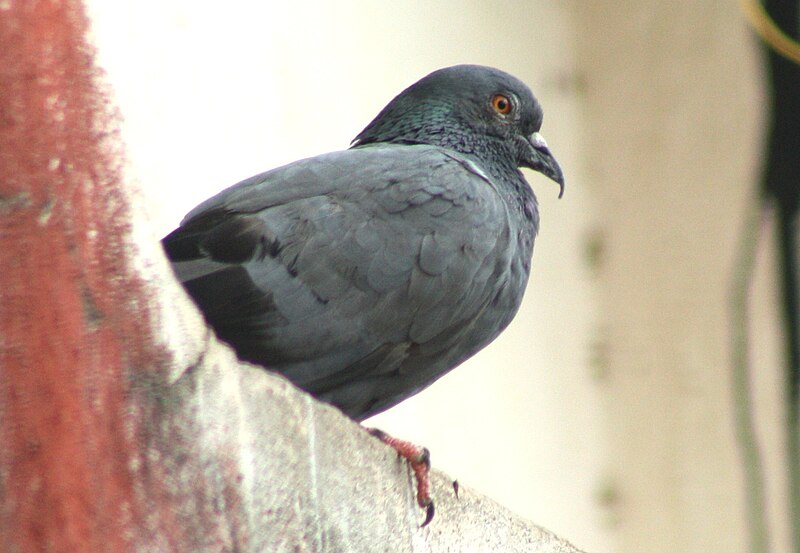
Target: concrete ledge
[[273, 470]]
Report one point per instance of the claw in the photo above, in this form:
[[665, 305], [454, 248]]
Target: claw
[[421, 465], [419, 458], [428, 515], [377, 433]]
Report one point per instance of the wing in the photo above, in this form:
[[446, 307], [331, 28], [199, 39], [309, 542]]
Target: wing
[[361, 275]]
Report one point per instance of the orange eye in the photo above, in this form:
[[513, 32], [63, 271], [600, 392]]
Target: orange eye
[[501, 104]]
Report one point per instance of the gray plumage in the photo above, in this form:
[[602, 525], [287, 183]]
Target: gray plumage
[[364, 275]]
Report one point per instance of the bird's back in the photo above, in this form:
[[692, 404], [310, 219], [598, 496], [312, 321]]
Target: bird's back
[[362, 275]]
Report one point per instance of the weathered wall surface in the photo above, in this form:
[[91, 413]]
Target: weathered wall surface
[[673, 110], [281, 472]]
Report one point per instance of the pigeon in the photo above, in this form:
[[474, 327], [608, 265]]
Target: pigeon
[[364, 275]]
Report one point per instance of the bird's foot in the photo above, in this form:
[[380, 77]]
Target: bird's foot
[[419, 458]]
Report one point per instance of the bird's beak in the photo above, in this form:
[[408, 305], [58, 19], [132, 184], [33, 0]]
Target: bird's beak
[[540, 159]]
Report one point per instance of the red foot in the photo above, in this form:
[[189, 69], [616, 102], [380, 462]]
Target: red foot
[[420, 460]]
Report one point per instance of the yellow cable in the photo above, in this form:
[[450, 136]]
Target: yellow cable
[[769, 31]]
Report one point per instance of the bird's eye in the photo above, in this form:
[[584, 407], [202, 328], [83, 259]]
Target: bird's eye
[[501, 104]]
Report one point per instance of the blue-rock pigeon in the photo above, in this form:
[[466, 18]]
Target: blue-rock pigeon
[[364, 275]]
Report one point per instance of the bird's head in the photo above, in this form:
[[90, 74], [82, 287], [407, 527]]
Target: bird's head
[[475, 110]]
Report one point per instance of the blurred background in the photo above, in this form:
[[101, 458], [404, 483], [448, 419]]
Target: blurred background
[[606, 411]]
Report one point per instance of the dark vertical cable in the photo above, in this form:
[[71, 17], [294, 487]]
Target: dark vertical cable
[[781, 186]]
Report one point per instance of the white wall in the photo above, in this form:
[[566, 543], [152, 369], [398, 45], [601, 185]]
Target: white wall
[[673, 111]]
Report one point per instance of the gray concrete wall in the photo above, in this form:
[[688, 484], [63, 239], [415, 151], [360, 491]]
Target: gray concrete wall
[[275, 471]]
